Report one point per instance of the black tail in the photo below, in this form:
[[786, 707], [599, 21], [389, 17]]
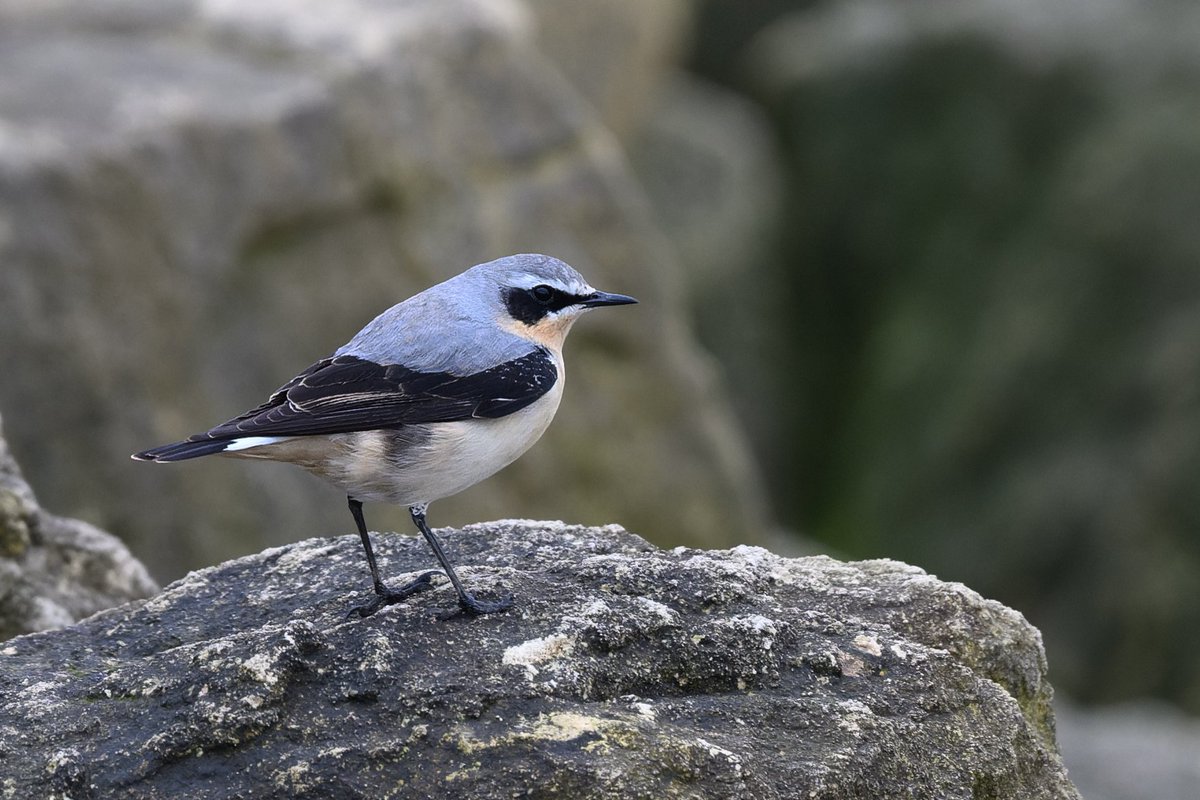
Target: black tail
[[181, 451]]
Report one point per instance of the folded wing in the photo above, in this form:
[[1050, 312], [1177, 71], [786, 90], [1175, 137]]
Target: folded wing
[[347, 393]]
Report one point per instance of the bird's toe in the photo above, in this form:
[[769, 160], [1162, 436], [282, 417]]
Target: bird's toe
[[472, 606], [390, 596]]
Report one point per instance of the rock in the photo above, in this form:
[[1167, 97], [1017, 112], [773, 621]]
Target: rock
[[56, 571], [617, 53], [623, 671], [199, 199], [709, 165], [710, 168]]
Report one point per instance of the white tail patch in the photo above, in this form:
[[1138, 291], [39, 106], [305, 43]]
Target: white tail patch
[[245, 443]]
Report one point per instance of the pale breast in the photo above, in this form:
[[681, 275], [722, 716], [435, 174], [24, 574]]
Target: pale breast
[[428, 462], [460, 454]]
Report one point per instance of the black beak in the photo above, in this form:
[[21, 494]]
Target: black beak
[[606, 299]]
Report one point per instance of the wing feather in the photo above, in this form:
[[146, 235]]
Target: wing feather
[[348, 393]]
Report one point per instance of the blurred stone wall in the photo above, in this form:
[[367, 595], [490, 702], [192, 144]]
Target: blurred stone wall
[[984, 306], [198, 199]]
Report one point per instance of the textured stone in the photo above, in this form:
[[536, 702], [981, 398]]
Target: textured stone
[[198, 199], [55, 571], [623, 671]]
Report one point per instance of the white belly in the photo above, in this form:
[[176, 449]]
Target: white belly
[[460, 454], [417, 465]]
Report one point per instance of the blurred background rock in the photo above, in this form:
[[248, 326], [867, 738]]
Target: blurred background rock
[[198, 199], [943, 254]]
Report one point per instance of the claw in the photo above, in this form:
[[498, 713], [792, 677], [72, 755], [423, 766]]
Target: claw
[[472, 606], [390, 596]]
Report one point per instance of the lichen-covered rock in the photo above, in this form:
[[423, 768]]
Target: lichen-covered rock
[[55, 571], [624, 671]]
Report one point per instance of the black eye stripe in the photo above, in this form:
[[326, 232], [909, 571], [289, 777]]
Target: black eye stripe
[[556, 300], [524, 305]]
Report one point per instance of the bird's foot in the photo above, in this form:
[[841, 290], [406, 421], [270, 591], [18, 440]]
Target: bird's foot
[[386, 595], [472, 606]]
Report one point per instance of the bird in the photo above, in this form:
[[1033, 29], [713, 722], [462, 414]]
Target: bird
[[435, 394]]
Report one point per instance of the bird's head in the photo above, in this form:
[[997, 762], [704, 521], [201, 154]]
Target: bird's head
[[541, 297]]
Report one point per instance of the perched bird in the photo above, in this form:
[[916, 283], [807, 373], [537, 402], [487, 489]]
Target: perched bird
[[432, 396]]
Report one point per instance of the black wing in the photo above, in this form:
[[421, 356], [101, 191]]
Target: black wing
[[347, 393]]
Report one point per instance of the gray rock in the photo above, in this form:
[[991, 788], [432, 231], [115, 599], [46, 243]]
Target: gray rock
[[199, 199], [56, 571], [624, 671], [711, 171], [710, 167], [617, 53]]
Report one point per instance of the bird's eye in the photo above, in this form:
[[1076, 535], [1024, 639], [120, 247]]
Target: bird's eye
[[542, 293]]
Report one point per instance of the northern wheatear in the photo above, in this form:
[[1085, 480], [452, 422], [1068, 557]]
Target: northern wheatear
[[434, 395]]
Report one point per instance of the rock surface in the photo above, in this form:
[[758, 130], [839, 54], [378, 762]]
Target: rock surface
[[623, 671], [55, 571], [199, 199]]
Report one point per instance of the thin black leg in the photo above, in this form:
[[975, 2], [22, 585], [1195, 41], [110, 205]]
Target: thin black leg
[[357, 512], [384, 595], [466, 601]]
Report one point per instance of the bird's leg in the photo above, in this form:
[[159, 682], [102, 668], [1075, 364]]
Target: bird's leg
[[466, 601], [384, 595]]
